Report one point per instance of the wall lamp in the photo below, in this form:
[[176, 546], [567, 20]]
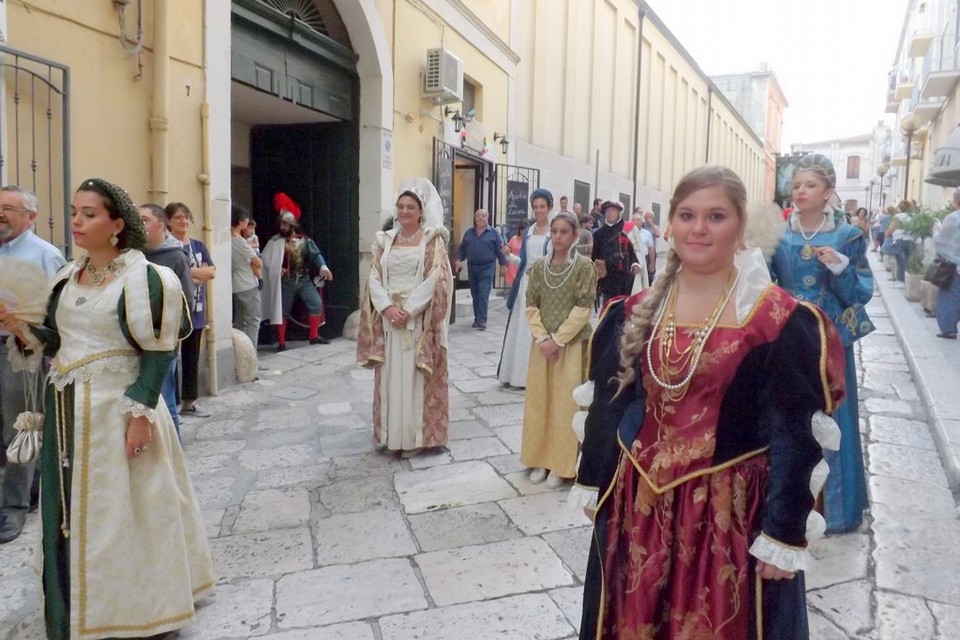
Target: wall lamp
[[502, 139], [454, 114]]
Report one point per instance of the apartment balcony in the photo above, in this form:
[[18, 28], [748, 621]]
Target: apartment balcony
[[904, 88], [921, 36], [927, 110], [938, 84], [920, 43], [893, 105]]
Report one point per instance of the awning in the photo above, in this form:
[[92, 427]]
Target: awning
[[945, 171]]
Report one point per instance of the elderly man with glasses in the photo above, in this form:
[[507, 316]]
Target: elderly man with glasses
[[18, 211]]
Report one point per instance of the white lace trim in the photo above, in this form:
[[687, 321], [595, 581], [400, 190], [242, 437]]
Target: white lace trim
[[583, 395], [779, 555], [136, 409], [84, 373], [826, 431], [582, 497], [20, 361]]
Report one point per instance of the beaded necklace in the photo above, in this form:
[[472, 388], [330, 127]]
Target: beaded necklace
[[564, 273], [688, 358], [99, 276], [408, 239]]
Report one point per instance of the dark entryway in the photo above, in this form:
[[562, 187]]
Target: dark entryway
[[315, 164], [295, 101]]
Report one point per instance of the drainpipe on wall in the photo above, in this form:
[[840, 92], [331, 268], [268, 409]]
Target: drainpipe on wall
[[636, 107], [706, 155], [204, 179], [160, 108]]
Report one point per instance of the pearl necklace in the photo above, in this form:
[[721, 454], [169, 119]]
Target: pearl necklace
[[676, 390], [403, 238], [565, 273], [99, 276], [807, 251]]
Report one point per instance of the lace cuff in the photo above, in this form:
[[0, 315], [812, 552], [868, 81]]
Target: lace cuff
[[136, 409], [783, 557], [29, 358], [582, 497]]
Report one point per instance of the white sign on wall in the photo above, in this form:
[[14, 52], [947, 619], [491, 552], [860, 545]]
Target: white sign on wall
[[387, 147]]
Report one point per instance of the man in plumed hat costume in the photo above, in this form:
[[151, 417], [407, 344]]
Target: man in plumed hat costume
[[292, 267]]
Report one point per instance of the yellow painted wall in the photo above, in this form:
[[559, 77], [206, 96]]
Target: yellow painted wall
[[412, 32], [110, 97], [577, 74], [577, 87]]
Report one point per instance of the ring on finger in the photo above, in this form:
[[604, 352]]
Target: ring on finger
[[137, 451]]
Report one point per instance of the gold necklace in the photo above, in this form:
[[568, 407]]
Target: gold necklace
[[98, 276], [672, 367]]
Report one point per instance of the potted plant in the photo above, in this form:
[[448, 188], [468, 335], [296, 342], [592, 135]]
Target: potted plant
[[921, 227]]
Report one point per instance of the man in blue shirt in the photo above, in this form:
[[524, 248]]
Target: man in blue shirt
[[18, 210], [481, 248]]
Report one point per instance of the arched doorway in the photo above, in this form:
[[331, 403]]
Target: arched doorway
[[295, 128]]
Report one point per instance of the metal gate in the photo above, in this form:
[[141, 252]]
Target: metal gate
[[35, 141], [512, 186]]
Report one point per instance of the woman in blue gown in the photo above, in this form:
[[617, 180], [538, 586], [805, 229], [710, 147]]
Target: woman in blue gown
[[822, 259]]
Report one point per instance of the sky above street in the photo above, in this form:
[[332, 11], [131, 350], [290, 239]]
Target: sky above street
[[831, 57]]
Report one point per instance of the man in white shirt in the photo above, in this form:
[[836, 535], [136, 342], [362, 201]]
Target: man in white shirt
[[18, 211]]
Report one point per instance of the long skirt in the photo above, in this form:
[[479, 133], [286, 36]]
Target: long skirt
[[124, 551], [845, 492], [549, 440], [515, 356], [677, 565], [410, 410]]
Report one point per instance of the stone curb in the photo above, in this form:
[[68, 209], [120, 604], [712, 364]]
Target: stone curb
[[938, 380]]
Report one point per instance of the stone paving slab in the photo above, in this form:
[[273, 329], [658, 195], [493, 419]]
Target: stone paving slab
[[526, 617], [482, 572], [344, 593], [450, 485], [366, 535], [462, 526]]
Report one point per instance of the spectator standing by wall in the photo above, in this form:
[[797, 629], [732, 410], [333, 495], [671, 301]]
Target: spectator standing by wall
[[481, 248], [245, 271], [202, 271]]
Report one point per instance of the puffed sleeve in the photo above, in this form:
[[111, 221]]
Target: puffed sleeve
[[855, 283], [579, 315], [534, 318], [154, 330], [803, 381]]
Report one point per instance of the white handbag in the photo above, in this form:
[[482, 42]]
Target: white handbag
[[27, 443], [29, 439]]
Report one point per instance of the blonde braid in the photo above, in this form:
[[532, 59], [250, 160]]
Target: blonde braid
[[636, 326]]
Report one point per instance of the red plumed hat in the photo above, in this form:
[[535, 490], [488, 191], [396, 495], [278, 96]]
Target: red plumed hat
[[286, 208]]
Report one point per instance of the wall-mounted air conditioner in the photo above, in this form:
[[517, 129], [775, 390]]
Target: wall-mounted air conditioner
[[443, 77]]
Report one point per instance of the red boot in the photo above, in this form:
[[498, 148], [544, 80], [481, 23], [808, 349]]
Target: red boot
[[314, 335], [282, 336]]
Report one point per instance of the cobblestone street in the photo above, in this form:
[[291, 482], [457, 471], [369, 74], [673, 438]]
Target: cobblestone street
[[316, 537]]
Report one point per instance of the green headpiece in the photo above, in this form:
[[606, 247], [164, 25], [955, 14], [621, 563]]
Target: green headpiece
[[133, 236]]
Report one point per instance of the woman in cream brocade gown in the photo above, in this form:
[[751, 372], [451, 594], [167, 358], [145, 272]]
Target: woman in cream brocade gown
[[124, 551]]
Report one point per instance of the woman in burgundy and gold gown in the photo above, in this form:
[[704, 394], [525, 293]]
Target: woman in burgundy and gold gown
[[700, 464]]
